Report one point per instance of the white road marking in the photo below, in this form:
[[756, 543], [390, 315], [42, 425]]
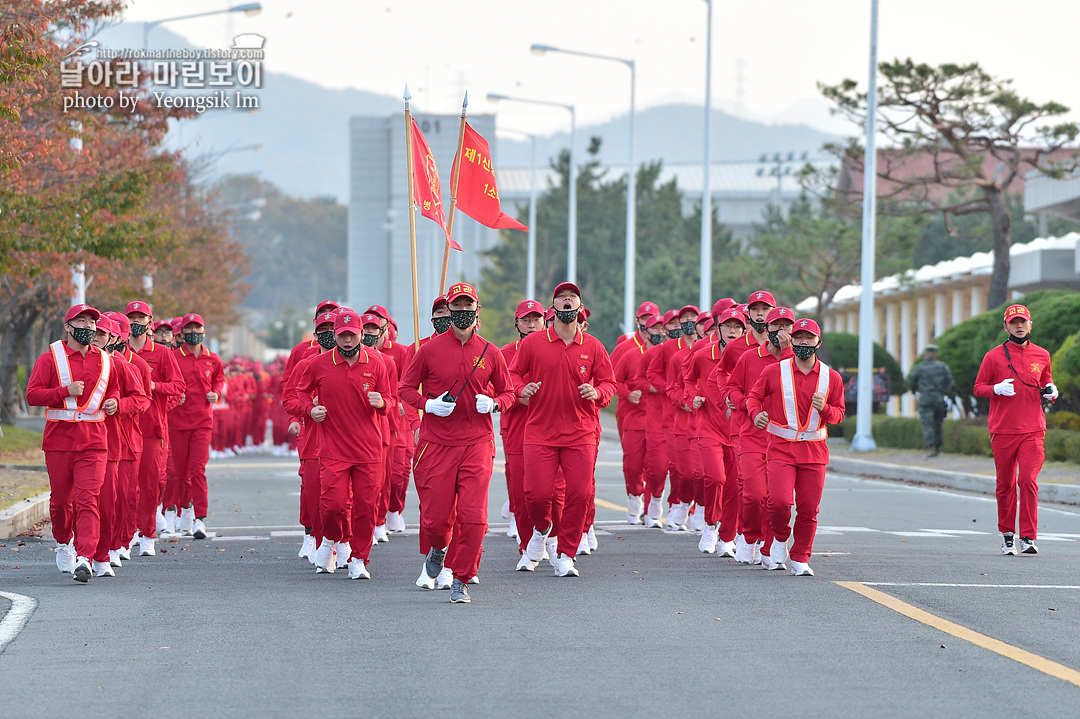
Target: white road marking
[[952, 531], [980, 586], [22, 607], [847, 529], [290, 533], [241, 538]]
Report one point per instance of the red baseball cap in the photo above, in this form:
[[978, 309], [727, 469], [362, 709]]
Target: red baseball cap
[[461, 289], [192, 318], [583, 314], [326, 305], [707, 323], [122, 322], [380, 311], [779, 313], [745, 309], [670, 316], [139, 306], [761, 296], [653, 321], [175, 324], [689, 308], [722, 304], [371, 318], [528, 307], [702, 316], [348, 321], [647, 309], [77, 310], [732, 313], [162, 323], [108, 324], [807, 326], [440, 301], [324, 317], [565, 286], [549, 314], [1013, 311]]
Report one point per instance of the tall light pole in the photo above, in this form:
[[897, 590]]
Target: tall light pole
[[530, 257], [631, 194], [571, 237], [706, 194], [863, 441], [251, 8]]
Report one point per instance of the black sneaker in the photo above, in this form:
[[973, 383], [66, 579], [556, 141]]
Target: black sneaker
[[1007, 546], [1027, 546], [459, 592], [434, 562]]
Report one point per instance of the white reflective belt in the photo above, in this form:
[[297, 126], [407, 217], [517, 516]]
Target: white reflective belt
[[814, 431], [91, 411]]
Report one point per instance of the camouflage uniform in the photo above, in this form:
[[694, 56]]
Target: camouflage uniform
[[933, 381]]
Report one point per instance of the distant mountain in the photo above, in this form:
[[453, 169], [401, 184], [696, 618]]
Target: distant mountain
[[304, 130]]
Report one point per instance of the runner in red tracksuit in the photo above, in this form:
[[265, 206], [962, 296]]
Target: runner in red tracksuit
[[562, 372], [166, 384], [751, 442], [656, 447], [1016, 377], [638, 339], [352, 386], [682, 414], [375, 329], [797, 452], [191, 423], [76, 382], [456, 452]]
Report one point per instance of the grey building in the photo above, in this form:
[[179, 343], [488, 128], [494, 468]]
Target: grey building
[[379, 262]]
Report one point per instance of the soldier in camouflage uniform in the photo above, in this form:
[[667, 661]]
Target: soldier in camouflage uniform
[[932, 382]]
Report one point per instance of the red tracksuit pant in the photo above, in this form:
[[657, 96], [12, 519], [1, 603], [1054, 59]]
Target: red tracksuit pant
[[732, 496], [107, 514], [75, 480], [310, 492], [806, 482], [633, 461], [453, 483], [656, 465], [515, 491], [1018, 459], [127, 502], [403, 456], [345, 485], [383, 503], [542, 483], [190, 453], [151, 485], [753, 510], [714, 478]]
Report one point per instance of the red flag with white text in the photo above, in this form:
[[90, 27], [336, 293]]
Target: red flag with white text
[[477, 195], [427, 192]]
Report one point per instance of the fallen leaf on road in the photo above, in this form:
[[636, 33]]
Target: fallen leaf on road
[[163, 647], [944, 647], [1052, 609]]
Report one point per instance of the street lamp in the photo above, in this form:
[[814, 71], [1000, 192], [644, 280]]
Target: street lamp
[[706, 195], [251, 8], [530, 261], [571, 239], [631, 195]]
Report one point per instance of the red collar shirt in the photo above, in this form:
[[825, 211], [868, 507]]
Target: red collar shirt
[[767, 395], [657, 374], [131, 423], [202, 373], [742, 379], [43, 389], [629, 369], [407, 418], [713, 415], [132, 402], [168, 386], [512, 418]]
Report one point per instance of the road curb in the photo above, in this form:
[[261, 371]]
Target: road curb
[[1048, 491], [23, 515], [26, 467]]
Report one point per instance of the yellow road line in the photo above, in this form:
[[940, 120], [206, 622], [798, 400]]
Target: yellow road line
[[1026, 658], [609, 505]]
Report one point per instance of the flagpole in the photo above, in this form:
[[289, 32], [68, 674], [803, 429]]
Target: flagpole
[[412, 218], [453, 192]]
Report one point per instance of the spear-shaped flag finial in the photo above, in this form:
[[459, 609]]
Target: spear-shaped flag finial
[[407, 96]]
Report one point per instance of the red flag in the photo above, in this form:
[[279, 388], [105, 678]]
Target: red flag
[[477, 195], [427, 192]]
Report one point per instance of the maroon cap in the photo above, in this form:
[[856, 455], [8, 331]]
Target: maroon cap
[[549, 314], [77, 310], [583, 314], [323, 317], [702, 316], [807, 326], [461, 289], [671, 316], [1013, 311], [653, 321], [371, 318], [123, 323], [176, 325], [108, 324], [744, 309], [528, 307], [689, 308], [139, 306], [162, 324], [722, 304], [779, 313], [326, 305], [647, 309], [707, 323], [761, 296], [565, 286], [732, 313], [191, 318], [380, 311], [348, 321], [440, 301]]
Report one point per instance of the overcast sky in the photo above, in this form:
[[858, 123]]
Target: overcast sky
[[779, 48]]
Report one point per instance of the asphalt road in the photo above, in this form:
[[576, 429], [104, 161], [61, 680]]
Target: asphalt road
[[237, 625]]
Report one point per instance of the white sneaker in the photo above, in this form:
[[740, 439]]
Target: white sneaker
[[505, 511], [307, 548], [744, 552], [357, 570], [134, 540], [147, 547], [65, 557], [82, 571], [198, 529], [380, 536], [593, 544], [123, 554], [525, 564], [324, 557], [656, 509], [697, 520], [474, 580], [801, 569], [160, 521], [635, 507], [709, 537], [564, 566], [726, 549], [114, 558], [757, 553], [651, 523], [511, 529], [676, 519], [103, 569], [551, 549], [394, 523], [343, 550], [186, 522], [170, 522], [445, 578], [778, 556], [424, 581], [535, 548], [583, 545]]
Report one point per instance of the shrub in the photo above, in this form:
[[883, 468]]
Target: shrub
[[1063, 420], [840, 349]]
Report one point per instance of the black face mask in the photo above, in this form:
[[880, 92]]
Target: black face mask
[[675, 334], [138, 330], [567, 317], [758, 326], [193, 338], [656, 339], [463, 319], [82, 335], [369, 340], [441, 324], [804, 353], [641, 329], [1020, 340], [349, 353], [688, 328], [120, 347], [774, 337], [326, 339]]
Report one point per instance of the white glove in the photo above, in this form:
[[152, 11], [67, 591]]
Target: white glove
[[1005, 388], [484, 404], [1053, 391], [439, 408]]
